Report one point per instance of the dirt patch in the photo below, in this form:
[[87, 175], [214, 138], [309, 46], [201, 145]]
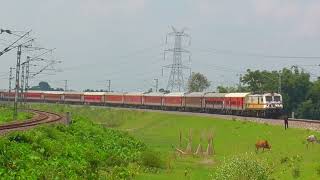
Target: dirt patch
[[206, 162]]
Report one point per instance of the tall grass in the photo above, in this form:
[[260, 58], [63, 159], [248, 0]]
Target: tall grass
[[6, 115]]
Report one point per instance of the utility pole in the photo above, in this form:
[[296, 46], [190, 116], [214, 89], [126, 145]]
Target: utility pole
[[22, 83], [157, 82], [176, 78], [10, 78], [279, 88], [109, 85], [240, 78], [26, 86], [15, 110], [65, 85]]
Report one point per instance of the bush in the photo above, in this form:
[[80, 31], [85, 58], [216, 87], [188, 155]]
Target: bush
[[83, 150], [284, 160], [318, 170], [151, 159], [242, 167], [296, 172]]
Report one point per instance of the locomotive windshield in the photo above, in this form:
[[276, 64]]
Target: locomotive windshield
[[276, 98], [268, 98]]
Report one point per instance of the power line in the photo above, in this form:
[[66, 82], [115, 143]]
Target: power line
[[11, 46], [235, 53]]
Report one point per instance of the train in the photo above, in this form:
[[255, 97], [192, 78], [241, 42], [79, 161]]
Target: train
[[266, 105]]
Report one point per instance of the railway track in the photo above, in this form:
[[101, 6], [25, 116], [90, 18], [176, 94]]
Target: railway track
[[40, 117]]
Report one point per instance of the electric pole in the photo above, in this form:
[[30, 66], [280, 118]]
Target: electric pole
[[109, 85], [22, 82], [176, 78], [26, 86], [15, 110], [157, 82], [279, 88], [10, 78], [65, 85], [240, 78]]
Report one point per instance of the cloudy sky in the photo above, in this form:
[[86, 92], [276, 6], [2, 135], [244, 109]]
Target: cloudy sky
[[123, 40]]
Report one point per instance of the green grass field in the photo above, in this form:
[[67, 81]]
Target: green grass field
[[160, 131], [6, 115]]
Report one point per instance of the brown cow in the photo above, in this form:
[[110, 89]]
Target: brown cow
[[262, 144]]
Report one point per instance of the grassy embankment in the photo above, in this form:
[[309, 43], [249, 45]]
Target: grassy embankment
[[6, 115], [289, 157], [81, 150]]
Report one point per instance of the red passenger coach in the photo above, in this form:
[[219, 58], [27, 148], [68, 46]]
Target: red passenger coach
[[153, 99], [235, 101], [114, 98], [214, 101], [9, 95], [34, 95], [94, 97], [174, 100], [194, 100], [133, 98], [74, 97], [53, 96]]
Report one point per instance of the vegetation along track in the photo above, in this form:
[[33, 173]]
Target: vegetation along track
[[40, 117]]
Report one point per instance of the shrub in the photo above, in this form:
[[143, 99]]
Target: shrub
[[296, 172], [151, 159], [284, 160], [83, 150], [242, 167], [318, 170]]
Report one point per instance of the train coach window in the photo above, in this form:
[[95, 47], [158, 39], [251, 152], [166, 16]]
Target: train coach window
[[276, 98], [268, 98]]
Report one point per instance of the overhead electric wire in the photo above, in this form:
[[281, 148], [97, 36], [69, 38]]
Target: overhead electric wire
[[11, 45], [234, 53], [119, 59]]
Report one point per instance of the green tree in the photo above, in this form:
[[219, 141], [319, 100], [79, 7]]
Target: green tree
[[261, 81], [226, 89], [296, 86], [310, 109], [198, 82], [42, 86]]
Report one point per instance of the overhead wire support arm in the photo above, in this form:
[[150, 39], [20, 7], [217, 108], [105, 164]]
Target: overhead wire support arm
[[11, 46]]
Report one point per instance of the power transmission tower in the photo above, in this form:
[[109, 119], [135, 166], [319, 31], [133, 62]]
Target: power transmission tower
[[157, 83], [176, 80]]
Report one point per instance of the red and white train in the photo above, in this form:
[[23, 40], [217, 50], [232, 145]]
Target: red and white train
[[243, 104]]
